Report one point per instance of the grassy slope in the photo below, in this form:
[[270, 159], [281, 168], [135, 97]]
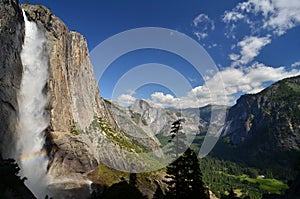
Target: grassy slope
[[267, 185]]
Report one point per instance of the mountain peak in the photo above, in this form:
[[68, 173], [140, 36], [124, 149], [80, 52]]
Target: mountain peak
[[141, 104]]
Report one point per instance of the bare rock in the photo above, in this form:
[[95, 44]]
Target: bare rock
[[11, 40]]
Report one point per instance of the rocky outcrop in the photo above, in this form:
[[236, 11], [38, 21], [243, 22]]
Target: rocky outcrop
[[132, 123], [74, 101], [263, 130], [73, 89], [144, 120], [73, 93], [273, 114], [11, 40], [82, 131]]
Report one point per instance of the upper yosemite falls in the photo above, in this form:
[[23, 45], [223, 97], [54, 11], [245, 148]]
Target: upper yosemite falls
[[47, 83], [33, 120], [59, 138]]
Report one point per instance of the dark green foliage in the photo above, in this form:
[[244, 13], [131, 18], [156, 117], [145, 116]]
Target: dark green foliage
[[178, 139], [274, 115], [11, 185], [186, 177], [294, 186], [158, 193], [132, 179], [122, 190], [73, 129], [184, 174], [231, 195], [221, 176], [178, 146], [119, 136]]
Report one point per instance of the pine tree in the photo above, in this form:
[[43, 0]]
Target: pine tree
[[178, 139], [158, 193], [193, 175], [132, 179], [185, 177]]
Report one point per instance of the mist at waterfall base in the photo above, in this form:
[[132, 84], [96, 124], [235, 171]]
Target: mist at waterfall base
[[33, 120]]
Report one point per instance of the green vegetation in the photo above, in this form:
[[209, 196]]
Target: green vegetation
[[107, 176], [121, 190], [268, 185], [184, 174], [144, 122], [137, 118], [162, 139], [178, 114], [168, 112], [118, 136], [221, 176], [73, 128]]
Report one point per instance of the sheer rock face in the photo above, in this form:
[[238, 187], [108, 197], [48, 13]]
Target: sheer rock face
[[272, 116], [73, 93], [11, 40], [73, 89]]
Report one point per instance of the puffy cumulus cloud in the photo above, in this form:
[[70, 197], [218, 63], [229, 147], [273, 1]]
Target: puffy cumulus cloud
[[203, 24], [126, 100], [250, 47], [284, 16], [250, 79], [266, 19], [253, 78], [296, 64], [164, 100], [278, 16]]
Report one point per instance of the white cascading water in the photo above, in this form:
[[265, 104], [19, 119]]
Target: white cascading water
[[33, 119]]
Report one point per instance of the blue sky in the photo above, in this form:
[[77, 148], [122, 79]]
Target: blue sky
[[252, 42]]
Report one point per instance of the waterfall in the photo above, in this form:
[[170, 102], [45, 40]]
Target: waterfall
[[33, 119]]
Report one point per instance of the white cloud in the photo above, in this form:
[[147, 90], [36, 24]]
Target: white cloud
[[126, 100], [296, 64], [250, 47], [203, 24], [266, 19], [201, 35], [251, 79], [234, 57], [277, 16], [203, 18], [284, 16], [232, 16], [212, 45]]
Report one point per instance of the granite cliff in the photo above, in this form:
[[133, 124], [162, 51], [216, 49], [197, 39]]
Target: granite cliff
[[81, 132], [264, 128], [273, 112], [11, 40]]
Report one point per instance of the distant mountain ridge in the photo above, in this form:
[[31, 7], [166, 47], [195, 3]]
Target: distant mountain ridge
[[274, 112], [263, 129], [260, 129], [155, 120]]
